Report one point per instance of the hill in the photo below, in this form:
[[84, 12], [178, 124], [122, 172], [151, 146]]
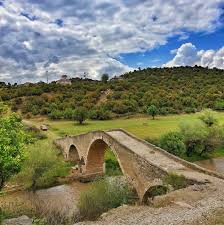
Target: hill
[[171, 90]]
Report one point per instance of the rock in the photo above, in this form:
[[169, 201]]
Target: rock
[[183, 204], [23, 220]]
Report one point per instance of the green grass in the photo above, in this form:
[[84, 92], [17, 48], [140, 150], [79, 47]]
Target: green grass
[[141, 126]]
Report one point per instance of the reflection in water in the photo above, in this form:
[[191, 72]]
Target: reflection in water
[[216, 164]]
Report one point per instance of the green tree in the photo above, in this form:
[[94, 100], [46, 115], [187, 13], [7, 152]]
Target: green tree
[[12, 141], [208, 117], [152, 110], [105, 78], [195, 134], [173, 142], [80, 115]]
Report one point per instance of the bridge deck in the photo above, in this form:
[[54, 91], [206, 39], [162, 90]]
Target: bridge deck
[[156, 157], [141, 149]]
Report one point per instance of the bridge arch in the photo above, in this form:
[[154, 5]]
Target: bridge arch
[[73, 154], [95, 156]]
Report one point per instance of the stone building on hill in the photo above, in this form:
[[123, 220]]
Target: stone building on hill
[[64, 80]]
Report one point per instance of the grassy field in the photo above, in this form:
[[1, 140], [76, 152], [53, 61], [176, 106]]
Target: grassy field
[[142, 127]]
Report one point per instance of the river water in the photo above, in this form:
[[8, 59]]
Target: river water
[[63, 198], [215, 164]]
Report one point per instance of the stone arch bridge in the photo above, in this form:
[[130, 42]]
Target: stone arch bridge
[[141, 162]]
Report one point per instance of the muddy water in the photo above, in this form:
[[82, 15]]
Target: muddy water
[[63, 197], [216, 164]]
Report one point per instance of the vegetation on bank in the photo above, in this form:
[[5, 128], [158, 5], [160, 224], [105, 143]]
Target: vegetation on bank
[[42, 167], [104, 195], [169, 90], [12, 147], [201, 137]]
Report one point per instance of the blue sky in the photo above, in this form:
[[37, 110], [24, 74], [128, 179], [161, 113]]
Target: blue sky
[[104, 36], [162, 54]]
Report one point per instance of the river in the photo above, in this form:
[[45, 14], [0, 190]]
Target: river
[[215, 164], [63, 198]]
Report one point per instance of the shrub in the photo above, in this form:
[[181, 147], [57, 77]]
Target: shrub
[[208, 117], [102, 196], [41, 168], [100, 114], [173, 142], [154, 191], [55, 114], [112, 165], [219, 105], [175, 181]]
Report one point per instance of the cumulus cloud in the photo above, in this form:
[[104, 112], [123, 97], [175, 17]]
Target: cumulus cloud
[[189, 55], [89, 35]]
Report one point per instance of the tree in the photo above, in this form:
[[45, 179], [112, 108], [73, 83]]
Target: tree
[[152, 110], [195, 134], [80, 115], [105, 78], [208, 117], [173, 142], [213, 140], [12, 141]]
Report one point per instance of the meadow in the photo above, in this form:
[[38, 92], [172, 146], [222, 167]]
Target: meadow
[[141, 126]]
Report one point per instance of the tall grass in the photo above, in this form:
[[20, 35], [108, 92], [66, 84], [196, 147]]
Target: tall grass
[[102, 196], [42, 167]]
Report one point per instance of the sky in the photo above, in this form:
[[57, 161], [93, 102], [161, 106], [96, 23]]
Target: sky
[[39, 37]]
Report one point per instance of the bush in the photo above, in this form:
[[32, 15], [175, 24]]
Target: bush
[[55, 114], [154, 191], [219, 105], [208, 117], [100, 114], [102, 196], [173, 142], [175, 181], [195, 134], [41, 168]]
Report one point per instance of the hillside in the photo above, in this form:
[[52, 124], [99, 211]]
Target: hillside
[[172, 90]]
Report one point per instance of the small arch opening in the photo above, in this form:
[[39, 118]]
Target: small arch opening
[[153, 192], [73, 155]]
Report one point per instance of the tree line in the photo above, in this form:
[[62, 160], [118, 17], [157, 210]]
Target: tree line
[[168, 90]]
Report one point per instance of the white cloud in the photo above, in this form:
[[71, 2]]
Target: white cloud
[[189, 55], [90, 35]]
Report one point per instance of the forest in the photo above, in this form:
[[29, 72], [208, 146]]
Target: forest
[[171, 90]]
